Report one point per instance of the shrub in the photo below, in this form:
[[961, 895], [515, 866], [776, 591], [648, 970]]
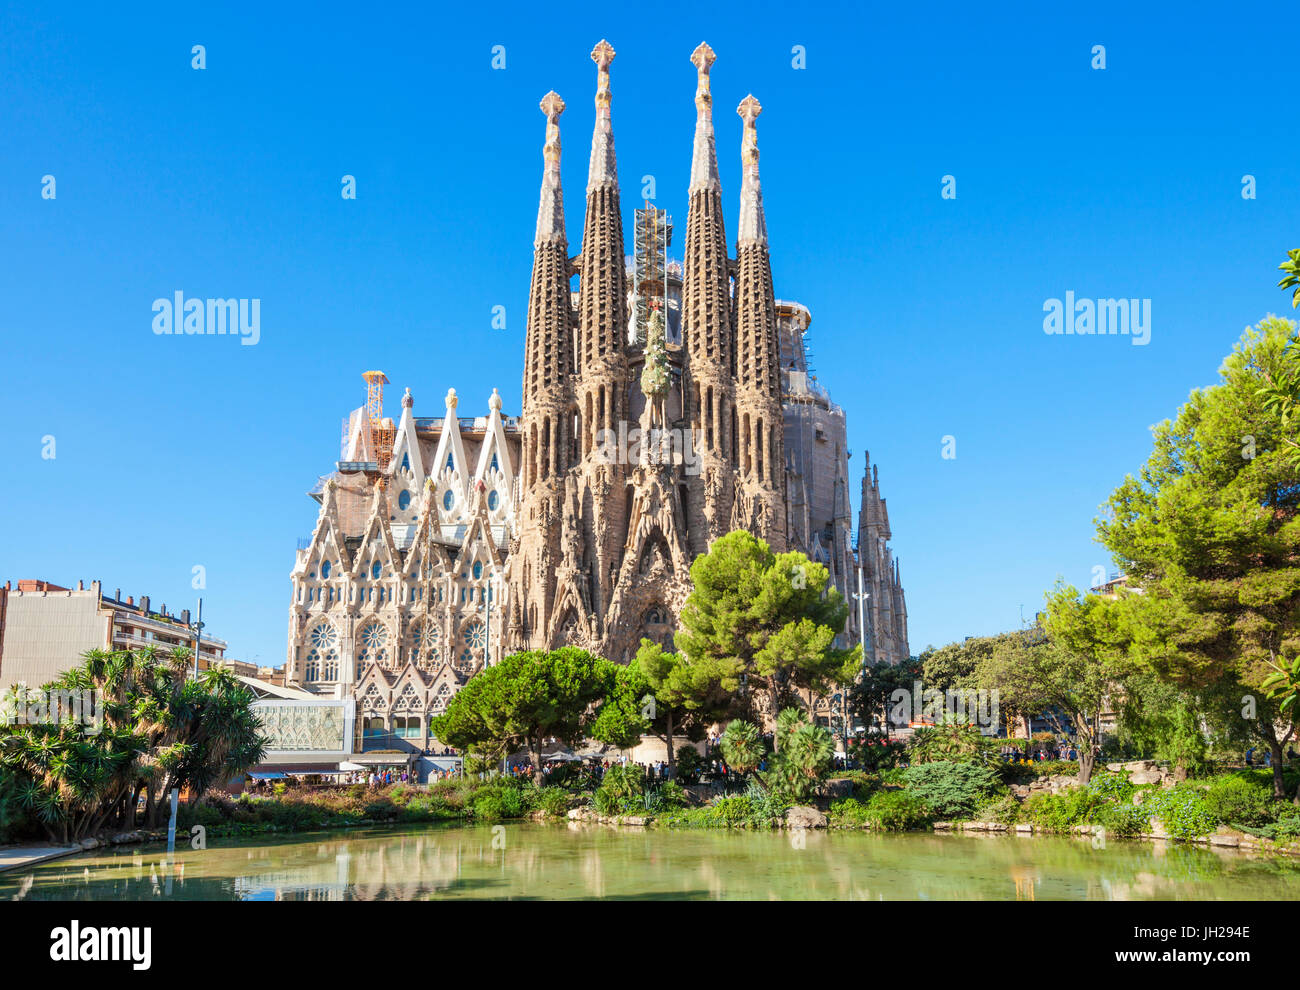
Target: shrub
[[1124, 820], [951, 789], [553, 801], [733, 811], [1183, 811], [1062, 811], [960, 743], [769, 806], [667, 796], [1005, 809], [872, 755], [621, 790], [848, 813], [897, 811], [688, 765], [1112, 787], [1239, 800]]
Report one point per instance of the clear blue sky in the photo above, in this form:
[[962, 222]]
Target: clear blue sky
[[927, 314]]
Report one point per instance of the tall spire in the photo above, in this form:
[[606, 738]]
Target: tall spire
[[548, 348], [753, 226], [603, 289], [756, 357], [706, 303], [550, 210], [704, 158], [603, 168]]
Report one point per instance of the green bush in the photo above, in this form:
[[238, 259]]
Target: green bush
[[688, 765], [1124, 820], [952, 790], [1112, 787], [667, 796], [1005, 809], [769, 806], [733, 811], [848, 813], [897, 811], [1062, 811], [1183, 811], [621, 791], [552, 801], [1239, 799]]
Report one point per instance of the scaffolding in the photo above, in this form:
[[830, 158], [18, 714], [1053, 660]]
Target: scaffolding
[[652, 236], [381, 429]]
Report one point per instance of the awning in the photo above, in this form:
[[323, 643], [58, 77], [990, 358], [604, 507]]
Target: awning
[[265, 776]]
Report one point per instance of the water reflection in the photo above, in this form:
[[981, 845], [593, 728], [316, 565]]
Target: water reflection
[[575, 862]]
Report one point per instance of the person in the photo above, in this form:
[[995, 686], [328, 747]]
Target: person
[[1250, 757]]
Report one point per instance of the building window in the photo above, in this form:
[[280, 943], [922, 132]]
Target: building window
[[376, 569], [478, 570], [322, 657], [448, 499], [374, 646], [493, 500], [404, 501], [324, 569]]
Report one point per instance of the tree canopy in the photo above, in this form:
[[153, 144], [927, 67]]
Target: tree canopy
[[757, 621]]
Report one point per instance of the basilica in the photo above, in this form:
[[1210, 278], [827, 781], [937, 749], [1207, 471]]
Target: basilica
[[444, 542]]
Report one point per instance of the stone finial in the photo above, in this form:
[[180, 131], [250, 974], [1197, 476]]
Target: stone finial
[[494, 403], [602, 55], [749, 110], [408, 400], [550, 205], [552, 105], [753, 225], [703, 58], [452, 400], [704, 156], [603, 168]]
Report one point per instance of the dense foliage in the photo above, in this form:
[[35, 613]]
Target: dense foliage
[[161, 729]]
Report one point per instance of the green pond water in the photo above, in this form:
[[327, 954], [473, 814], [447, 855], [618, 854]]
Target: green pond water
[[543, 862]]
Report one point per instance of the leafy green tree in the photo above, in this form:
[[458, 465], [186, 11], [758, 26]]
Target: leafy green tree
[[1210, 533], [651, 696], [757, 621], [1161, 720], [869, 697], [161, 729], [802, 759], [1067, 676], [525, 699], [1291, 280], [955, 667]]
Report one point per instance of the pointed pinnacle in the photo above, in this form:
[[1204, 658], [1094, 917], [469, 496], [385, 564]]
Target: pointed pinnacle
[[603, 54], [552, 105]]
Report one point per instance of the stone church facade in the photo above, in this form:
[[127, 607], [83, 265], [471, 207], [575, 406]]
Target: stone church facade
[[443, 543]]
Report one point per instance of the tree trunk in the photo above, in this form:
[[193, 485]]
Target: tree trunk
[[1086, 759], [535, 754], [1269, 735], [672, 763]]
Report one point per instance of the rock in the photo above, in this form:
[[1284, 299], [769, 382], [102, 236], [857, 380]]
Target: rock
[[638, 820], [1025, 829], [832, 789], [89, 843], [1223, 837], [942, 826], [803, 816], [1140, 777], [997, 826]]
